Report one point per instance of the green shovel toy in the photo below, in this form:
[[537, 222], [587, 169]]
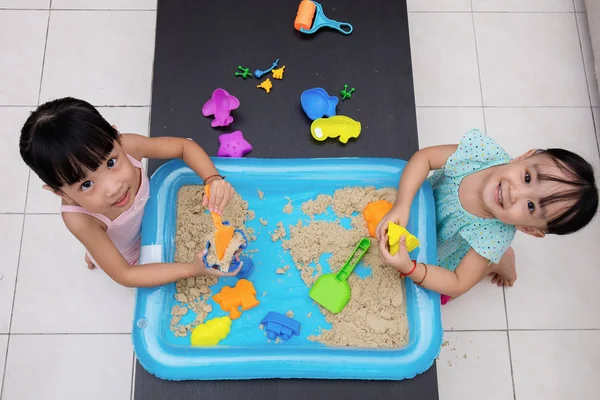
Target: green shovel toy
[[332, 290]]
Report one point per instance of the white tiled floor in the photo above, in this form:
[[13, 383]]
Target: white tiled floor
[[520, 70]]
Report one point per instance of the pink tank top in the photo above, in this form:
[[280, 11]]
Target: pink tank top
[[125, 230]]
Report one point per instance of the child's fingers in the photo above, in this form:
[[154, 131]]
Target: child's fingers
[[216, 199], [225, 201], [381, 230], [230, 273], [403, 242], [385, 254]]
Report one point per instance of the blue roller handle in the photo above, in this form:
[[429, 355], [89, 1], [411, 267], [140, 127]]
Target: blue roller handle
[[322, 21]]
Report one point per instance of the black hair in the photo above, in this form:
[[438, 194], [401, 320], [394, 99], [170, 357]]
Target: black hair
[[582, 192], [65, 138]]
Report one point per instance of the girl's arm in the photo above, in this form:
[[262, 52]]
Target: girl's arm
[[413, 176], [108, 257], [192, 154], [468, 273]]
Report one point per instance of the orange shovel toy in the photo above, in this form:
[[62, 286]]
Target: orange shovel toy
[[223, 235]]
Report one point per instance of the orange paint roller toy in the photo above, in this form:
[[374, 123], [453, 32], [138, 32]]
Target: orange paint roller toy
[[309, 10]]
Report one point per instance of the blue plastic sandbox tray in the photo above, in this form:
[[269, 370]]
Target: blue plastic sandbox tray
[[246, 353]]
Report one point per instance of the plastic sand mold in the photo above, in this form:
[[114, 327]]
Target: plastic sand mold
[[246, 353]]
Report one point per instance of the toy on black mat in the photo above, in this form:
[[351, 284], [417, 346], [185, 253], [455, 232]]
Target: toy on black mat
[[259, 73], [345, 93], [245, 72], [310, 18]]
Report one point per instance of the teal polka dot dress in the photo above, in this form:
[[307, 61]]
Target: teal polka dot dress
[[458, 230]]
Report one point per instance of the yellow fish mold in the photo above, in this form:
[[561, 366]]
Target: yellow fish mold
[[336, 126]]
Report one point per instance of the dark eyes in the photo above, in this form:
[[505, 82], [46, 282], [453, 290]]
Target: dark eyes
[[527, 177], [112, 162], [530, 206], [86, 185]]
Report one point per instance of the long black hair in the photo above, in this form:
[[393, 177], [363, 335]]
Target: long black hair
[[582, 192], [63, 139]]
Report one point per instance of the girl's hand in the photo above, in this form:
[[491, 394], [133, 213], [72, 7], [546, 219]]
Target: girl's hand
[[221, 193], [394, 215], [201, 270], [401, 260]]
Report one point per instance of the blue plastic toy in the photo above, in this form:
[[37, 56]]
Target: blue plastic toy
[[279, 325], [247, 268], [317, 103], [304, 19], [234, 264], [258, 73]]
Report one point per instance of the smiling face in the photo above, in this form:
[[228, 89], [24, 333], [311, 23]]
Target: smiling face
[[514, 193], [110, 189]]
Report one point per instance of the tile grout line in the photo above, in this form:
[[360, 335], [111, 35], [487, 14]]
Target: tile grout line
[[70, 334], [527, 330], [478, 68], [76, 9], [512, 373], [12, 309], [44, 56], [587, 83], [585, 71], [490, 12], [131, 389]]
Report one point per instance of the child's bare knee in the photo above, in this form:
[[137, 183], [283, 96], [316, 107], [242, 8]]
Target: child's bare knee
[[509, 256]]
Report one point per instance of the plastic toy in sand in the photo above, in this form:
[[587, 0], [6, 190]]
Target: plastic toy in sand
[[332, 290], [310, 18], [345, 93], [211, 332], [280, 326], [245, 72], [230, 298], [374, 213], [259, 73], [317, 103], [394, 233], [247, 268], [278, 73], [233, 145], [339, 126], [267, 85], [220, 106], [223, 235]]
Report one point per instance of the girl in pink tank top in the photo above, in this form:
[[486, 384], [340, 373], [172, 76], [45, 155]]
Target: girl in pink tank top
[[98, 174]]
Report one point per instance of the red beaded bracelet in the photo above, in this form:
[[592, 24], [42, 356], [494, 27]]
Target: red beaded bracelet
[[412, 270], [213, 176]]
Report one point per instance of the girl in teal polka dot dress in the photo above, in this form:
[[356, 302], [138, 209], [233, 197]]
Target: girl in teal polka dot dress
[[482, 197]]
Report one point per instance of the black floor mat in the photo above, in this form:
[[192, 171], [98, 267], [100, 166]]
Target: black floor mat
[[199, 45]]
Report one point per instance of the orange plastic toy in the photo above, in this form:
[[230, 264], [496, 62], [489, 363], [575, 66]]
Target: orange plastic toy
[[223, 235], [230, 298], [374, 212], [304, 17]]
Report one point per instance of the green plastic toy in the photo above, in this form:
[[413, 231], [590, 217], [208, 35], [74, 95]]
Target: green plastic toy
[[245, 72], [332, 290], [346, 94]]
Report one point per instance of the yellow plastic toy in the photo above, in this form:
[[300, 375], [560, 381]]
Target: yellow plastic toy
[[267, 85], [374, 212], [278, 73], [336, 126], [211, 332], [394, 233]]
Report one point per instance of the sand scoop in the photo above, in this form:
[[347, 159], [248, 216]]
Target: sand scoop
[[223, 236]]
